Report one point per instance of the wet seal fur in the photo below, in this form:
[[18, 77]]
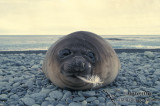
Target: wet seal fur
[[81, 54]]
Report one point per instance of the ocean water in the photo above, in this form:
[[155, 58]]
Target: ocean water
[[43, 42]]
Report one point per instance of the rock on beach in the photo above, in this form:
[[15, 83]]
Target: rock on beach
[[22, 82]]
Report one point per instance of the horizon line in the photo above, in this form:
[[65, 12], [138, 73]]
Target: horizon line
[[67, 34]]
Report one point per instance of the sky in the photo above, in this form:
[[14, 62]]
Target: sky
[[61, 17]]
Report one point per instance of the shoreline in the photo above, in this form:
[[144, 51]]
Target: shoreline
[[44, 51]]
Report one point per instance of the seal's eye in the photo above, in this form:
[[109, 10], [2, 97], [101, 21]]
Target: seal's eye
[[91, 56], [63, 53]]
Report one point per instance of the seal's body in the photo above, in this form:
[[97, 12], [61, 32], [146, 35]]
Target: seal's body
[[79, 55]]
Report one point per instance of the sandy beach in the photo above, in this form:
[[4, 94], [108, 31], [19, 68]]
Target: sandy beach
[[22, 82]]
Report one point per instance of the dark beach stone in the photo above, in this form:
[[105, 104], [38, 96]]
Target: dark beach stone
[[5, 90], [96, 102], [157, 72], [60, 105], [101, 104], [110, 104], [101, 99], [142, 78], [1, 72], [28, 101], [18, 63], [51, 87], [3, 104], [66, 95], [16, 84], [56, 95], [30, 82], [16, 79], [13, 102], [74, 104], [80, 93], [38, 82], [88, 93], [51, 100], [39, 96], [3, 97], [14, 97], [149, 54], [69, 100], [45, 103], [153, 90], [84, 103], [21, 94], [4, 84], [35, 66], [78, 98], [36, 105], [90, 99], [44, 90]]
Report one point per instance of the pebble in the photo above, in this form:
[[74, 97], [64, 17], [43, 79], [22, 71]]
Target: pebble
[[3, 97], [157, 72], [35, 66], [14, 97], [41, 62], [45, 103], [23, 67], [149, 54], [4, 84], [101, 99], [78, 98], [18, 63], [1, 72], [91, 99], [36, 105], [29, 83], [28, 101], [101, 104], [60, 105], [88, 93], [80, 93], [39, 95], [74, 104], [23, 83], [134, 83], [56, 95], [66, 95], [109, 104], [96, 102], [142, 78], [16, 84]]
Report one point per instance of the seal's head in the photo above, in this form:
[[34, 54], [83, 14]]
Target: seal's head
[[75, 58], [76, 62]]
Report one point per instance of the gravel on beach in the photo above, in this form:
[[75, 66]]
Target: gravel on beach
[[22, 82]]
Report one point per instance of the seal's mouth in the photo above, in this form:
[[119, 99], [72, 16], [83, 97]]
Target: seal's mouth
[[94, 79], [74, 75]]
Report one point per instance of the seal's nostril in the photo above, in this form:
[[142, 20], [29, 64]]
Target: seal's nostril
[[79, 66], [82, 69], [76, 69]]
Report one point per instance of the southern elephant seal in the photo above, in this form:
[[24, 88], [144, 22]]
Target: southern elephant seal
[[81, 60]]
